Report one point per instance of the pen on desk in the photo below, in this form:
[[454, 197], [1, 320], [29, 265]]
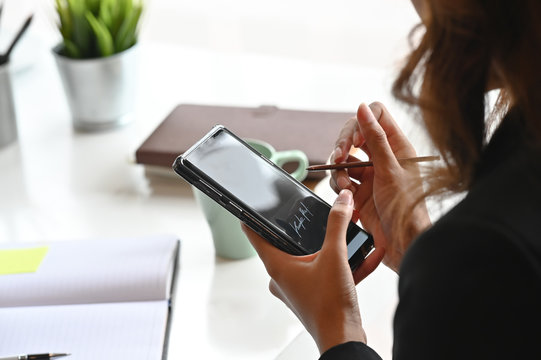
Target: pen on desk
[[4, 58], [35, 356], [354, 164]]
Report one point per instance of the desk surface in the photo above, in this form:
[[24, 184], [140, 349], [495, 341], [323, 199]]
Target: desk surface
[[58, 184]]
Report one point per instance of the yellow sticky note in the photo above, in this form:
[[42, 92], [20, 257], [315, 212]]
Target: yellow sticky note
[[15, 261]]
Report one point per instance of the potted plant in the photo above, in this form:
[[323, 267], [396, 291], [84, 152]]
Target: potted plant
[[96, 60]]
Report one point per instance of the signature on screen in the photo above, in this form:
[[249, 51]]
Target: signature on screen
[[302, 216]]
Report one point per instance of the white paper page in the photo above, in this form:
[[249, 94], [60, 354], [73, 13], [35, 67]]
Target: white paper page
[[134, 330], [93, 271]]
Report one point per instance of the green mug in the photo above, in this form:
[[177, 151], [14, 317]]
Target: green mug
[[281, 158], [229, 240]]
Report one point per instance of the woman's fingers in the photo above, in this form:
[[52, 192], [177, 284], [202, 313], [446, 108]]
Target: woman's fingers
[[349, 136], [270, 255], [361, 174], [400, 145], [341, 179], [374, 129], [337, 223], [369, 264], [375, 138]]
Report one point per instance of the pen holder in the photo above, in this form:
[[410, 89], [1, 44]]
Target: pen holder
[[101, 92], [8, 126]]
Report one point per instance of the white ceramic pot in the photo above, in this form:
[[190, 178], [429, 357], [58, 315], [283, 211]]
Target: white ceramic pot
[[100, 91]]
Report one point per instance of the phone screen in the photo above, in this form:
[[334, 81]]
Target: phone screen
[[268, 191]]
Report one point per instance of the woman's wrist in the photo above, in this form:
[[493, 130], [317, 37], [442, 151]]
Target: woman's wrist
[[339, 332]]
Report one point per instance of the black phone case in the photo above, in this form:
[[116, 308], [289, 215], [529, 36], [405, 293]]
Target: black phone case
[[229, 202], [243, 212]]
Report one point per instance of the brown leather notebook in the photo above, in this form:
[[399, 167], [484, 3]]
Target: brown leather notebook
[[313, 132]]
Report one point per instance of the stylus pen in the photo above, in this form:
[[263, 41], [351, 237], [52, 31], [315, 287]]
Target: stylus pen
[[35, 356], [354, 164]]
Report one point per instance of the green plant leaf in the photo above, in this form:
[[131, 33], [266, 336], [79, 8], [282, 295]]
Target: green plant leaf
[[64, 20], [113, 24], [127, 34], [106, 14], [122, 5], [127, 9], [71, 50], [93, 6], [117, 15], [104, 38], [82, 33]]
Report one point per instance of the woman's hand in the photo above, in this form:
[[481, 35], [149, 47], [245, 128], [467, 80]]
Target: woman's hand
[[383, 188], [319, 288]]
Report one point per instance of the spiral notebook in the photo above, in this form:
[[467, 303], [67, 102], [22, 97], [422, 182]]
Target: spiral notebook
[[95, 299]]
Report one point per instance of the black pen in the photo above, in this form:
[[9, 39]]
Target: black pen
[[35, 356], [4, 58]]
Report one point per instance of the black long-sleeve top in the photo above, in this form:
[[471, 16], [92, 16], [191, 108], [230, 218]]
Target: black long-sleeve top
[[470, 286]]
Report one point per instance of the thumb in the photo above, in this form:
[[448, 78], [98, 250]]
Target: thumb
[[337, 223]]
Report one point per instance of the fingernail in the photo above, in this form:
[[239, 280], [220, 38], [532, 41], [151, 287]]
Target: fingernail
[[357, 138], [364, 114], [337, 154], [344, 197], [342, 182]]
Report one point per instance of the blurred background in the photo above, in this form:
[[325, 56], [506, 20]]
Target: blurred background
[[361, 32]]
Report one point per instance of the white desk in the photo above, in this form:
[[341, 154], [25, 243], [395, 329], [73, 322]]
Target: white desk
[[58, 185]]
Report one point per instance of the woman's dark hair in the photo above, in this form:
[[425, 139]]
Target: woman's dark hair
[[469, 47]]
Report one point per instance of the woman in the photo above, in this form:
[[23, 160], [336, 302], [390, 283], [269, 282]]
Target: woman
[[470, 284]]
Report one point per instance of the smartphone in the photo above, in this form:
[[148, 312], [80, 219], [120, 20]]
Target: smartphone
[[264, 196]]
